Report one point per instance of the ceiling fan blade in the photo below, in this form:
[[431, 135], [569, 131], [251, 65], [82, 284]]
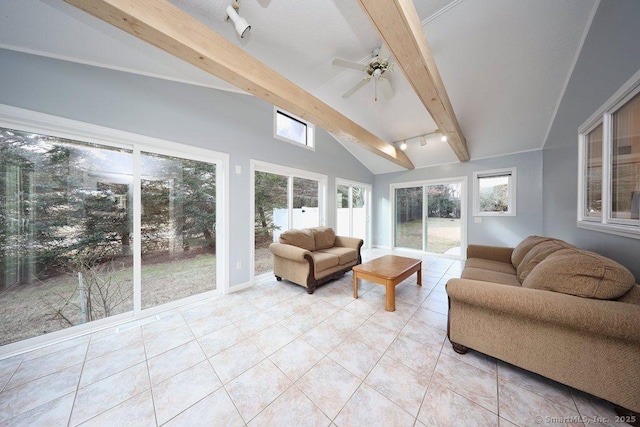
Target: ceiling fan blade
[[384, 51], [349, 64], [385, 87], [358, 85]]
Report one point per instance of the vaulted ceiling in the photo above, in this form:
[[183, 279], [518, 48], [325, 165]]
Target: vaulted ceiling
[[504, 63]]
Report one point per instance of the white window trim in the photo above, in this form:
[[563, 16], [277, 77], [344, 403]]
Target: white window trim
[[31, 121], [512, 188], [605, 224], [260, 166], [369, 189], [311, 142]]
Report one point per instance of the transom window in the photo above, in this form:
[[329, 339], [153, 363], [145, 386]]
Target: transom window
[[609, 172], [290, 128], [494, 192]]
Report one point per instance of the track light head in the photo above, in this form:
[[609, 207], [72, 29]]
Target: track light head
[[403, 146], [241, 25]]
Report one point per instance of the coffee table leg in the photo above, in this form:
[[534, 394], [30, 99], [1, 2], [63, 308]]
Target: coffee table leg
[[355, 284], [420, 275], [390, 304]]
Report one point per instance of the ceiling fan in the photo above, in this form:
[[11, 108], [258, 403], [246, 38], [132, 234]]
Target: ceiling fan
[[376, 70]]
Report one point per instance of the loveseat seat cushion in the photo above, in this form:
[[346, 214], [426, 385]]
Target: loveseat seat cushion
[[324, 237], [323, 260], [539, 253], [483, 275], [345, 255], [581, 273], [487, 264], [301, 238]]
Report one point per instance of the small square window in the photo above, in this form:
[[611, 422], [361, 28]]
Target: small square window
[[290, 128], [494, 192]]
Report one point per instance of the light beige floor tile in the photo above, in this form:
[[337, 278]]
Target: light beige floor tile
[[101, 344], [436, 305], [254, 390], [329, 386], [55, 348], [287, 308], [101, 367], [324, 337], [207, 325], [593, 407], [302, 321], [273, 338], [221, 339], [166, 321], [443, 407], [296, 358], [176, 360], [241, 310], [137, 411], [33, 369], [216, 409], [235, 360], [109, 392], [361, 307], [374, 335], [179, 392], [399, 383], [431, 318], [424, 334], [417, 356], [158, 343], [292, 408], [356, 357], [204, 310], [344, 321], [11, 362], [28, 396], [389, 319], [54, 413], [525, 408], [367, 407], [468, 381], [537, 384], [473, 358], [255, 323]]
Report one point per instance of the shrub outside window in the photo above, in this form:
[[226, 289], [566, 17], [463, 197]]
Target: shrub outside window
[[494, 192]]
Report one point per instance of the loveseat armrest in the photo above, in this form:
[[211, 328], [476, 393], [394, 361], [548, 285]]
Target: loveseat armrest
[[613, 319], [290, 252], [493, 253], [349, 242]]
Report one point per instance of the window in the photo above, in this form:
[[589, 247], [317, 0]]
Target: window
[[609, 172], [494, 192], [290, 128]]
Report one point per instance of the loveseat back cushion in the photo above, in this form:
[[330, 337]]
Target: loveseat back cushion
[[539, 253], [301, 238], [523, 248], [581, 273], [325, 237]]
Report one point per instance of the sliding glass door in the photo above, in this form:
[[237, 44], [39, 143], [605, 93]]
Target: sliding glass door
[[428, 216]]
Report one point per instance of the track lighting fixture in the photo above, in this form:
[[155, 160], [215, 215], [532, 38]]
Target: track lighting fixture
[[403, 146], [241, 25], [422, 138]]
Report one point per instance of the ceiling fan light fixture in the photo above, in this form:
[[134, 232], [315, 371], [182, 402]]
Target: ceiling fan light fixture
[[241, 25]]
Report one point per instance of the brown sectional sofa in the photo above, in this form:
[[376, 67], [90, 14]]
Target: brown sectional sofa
[[312, 256], [553, 309]]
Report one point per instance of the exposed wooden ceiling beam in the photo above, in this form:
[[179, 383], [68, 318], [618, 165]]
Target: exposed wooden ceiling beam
[[160, 23], [398, 24]]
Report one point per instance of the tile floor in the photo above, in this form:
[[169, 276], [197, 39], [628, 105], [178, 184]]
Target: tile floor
[[272, 355]]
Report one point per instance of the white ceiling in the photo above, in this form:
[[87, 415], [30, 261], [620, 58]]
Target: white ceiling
[[504, 63]]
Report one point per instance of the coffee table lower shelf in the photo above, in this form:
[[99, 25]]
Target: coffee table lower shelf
[[389, 271]]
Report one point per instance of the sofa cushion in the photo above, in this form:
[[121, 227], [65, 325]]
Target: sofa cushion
[[581, 273], [324, 260], [483, 275], [539, 253], [345, 255], [487, 264], [523, 248], [324, 237], [301, 238]]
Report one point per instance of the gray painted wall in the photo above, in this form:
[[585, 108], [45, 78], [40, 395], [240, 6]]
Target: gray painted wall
[[501, 231], [609, 57], [239, 125]]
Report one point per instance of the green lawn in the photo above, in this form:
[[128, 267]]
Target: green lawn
[[442, 234]]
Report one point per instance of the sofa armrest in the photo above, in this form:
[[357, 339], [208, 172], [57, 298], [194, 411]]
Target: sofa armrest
[[603, 317], [348, 242], [291, 252], [493, 253]]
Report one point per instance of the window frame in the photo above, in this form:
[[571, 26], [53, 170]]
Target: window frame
[[309, 127], [606, 223], [511, 172]]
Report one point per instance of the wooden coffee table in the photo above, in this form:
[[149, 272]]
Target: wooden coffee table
[[388, 270]]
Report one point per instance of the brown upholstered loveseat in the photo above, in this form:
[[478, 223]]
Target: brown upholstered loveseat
[[548, 307], [312, 256]]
